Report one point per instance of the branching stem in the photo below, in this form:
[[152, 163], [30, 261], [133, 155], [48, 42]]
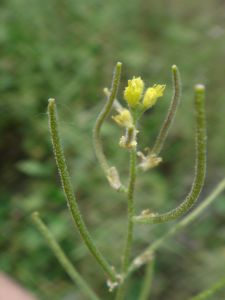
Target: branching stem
[[129, 237], [143, 257], [130, 198]]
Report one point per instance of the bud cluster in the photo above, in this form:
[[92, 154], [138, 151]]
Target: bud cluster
[[138, 102], [134, 93]]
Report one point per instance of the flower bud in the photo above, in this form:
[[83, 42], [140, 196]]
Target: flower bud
[[152, 94], [133, 92], [124, 118]]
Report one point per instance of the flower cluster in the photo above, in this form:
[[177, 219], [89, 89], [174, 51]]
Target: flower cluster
[[138, 102], [134, 91]]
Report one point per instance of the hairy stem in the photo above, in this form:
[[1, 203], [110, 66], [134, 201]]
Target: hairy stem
[[97, 129], [68, 190], [129, 237], [62, 258], [156, 149], [210, 291], [147, 253], [147, 282], [200, 168], [130, 198]]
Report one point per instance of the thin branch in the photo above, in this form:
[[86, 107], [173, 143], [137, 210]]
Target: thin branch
[[156, 149], [147, 282], [68, 190], [62, 258], [147, 253], [200, 168], [210, 291]]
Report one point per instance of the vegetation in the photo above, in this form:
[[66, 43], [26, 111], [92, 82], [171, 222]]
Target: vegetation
[[138, 101], [67, 50]]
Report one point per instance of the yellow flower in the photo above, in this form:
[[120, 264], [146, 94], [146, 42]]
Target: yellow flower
[[152, 94], [124, 118], [133, 92]]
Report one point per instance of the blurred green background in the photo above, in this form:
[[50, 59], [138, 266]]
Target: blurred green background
[[67, 50]]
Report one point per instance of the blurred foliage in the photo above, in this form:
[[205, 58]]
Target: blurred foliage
[[67, 50]]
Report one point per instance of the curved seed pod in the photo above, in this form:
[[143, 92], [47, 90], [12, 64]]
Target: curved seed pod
[[68, 190], [111, 96], [156, 149], [200, 167]]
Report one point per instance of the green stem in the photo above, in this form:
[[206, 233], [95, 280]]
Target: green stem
[[68, 190], [211, 291], [147, 282], [156, 149], [97, 129], [130, 198], [129, 237], [200, 168], [62, 258], [144, 256]]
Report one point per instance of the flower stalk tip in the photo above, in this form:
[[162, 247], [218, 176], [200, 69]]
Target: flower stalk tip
[[51, 101], [174, 67], [200, 87]]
